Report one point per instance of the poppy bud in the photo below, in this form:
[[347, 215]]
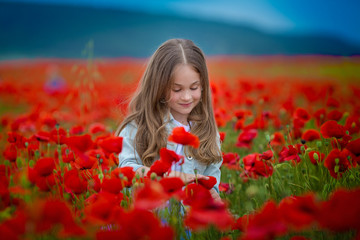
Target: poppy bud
[[302, 148], [337, 161], [267, 136], [252, 191], [336, 169], [153, 176], [316, 157], [319, 144]]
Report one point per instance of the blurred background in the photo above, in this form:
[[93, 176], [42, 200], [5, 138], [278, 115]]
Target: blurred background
[[62, 28]]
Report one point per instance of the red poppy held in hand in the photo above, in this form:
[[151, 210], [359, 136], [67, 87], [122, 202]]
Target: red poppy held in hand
[[179, 135], [208, 183]]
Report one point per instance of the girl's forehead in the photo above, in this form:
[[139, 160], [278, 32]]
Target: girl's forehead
[[185, 72]]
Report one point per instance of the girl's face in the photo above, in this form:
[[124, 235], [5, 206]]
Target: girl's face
[[185, 92]]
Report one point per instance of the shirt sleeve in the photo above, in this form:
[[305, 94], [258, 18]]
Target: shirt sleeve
[[214, 169], [128, 156]]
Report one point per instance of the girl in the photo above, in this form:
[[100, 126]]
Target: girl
[[174, 91]]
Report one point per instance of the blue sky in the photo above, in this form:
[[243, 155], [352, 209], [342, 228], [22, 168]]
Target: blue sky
[[333, 17]]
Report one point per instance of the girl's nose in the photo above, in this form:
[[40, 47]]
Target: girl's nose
[[186, 95]]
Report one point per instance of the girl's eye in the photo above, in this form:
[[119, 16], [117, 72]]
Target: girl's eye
[[176, 90], [195, 88]]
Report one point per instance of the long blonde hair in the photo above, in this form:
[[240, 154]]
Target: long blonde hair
[[148, 107]]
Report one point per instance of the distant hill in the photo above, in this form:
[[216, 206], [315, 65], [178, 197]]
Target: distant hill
[[48, 31]]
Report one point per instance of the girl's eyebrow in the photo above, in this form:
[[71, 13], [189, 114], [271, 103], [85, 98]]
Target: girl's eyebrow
[[178, 84]]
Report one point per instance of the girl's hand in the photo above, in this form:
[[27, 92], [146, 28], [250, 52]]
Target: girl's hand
[[215, 195], [142, 171], [187, 177]]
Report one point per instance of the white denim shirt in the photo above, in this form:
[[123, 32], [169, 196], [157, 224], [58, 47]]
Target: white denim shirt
[[129, 157]]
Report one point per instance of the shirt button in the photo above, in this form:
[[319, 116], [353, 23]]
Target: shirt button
[[190, 157]]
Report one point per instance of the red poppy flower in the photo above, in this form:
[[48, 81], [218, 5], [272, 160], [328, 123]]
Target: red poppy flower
[[337, 162], [209, 183], [225, 187], [278, 139], [150, 196], [299, 212], [128, 175], [103, 208], [58, 136], [179, 135], [74, 182], [84, 161], [169, 156], [332, 129], [241, 223], [288, 154], [17, 139], [111, 144], [320, 116], [96, 128], [44, 166], [352, 124], [267, 155], [75, 130], [5, 200], [354, 147], [311, 135], [172, 185], [262, 168], [341, 212], [213, 213], [80, 143], [44, 183], [255, 167], [246, 137], [67, 155], [302, 114], [138, 224], [195, 192], [222, 136], [332, 102], [240, 114], [43, 136], [159, 167], [335, 115], [10, 153], [49, 121], [230, 159], [316, 157], [112, 185], [14, 227], [266, 224], [54, 212], [205, 211]]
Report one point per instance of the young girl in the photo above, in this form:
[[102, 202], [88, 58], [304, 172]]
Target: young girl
[[174, 91]]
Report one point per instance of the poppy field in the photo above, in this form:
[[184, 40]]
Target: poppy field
[[290, 131]]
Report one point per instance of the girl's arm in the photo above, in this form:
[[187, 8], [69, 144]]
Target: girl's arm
[[128, 156], [214, 169]]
